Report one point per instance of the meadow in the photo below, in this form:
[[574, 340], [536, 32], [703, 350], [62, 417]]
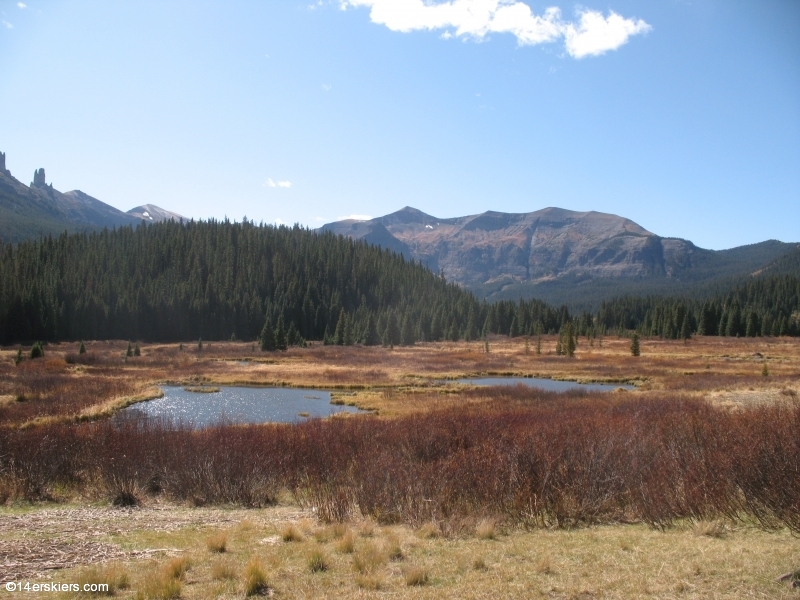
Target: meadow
[[688, 486]]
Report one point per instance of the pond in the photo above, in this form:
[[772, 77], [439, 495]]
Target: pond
[[550, 385], [236, 405]]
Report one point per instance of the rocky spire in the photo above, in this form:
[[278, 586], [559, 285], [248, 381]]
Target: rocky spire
[[3, 162], [38, 178]]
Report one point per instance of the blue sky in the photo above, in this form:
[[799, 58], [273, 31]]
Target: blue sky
[[683, 116]]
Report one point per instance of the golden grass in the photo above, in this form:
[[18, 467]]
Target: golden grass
[[619, 561], [415, 575], [255, 579], [114, 575], [217, 542], [317, 560], [291, 533]]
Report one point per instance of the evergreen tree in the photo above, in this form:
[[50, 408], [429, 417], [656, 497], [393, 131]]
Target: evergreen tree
[[267, 336], [635, 351], [37, 350], [371, 338], [341, 323], [685, 329], [392, 329], [129, 351], [137, 351], [406, 332], [82, 348], [281, 341]]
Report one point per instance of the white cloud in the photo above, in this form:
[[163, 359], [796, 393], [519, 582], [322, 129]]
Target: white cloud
[[354, 218], [596, 34], [279, 221], [7, 24], [270, 183], [22, 5], [327, 87], [593, 34]]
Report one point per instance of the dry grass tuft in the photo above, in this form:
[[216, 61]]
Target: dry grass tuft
[[331, 532], [217, 542], [486, 530], [114, 576], [291, 533], [370, 559], [177, 567], [479, 564], [370, 582], [347, 544], [255, 579], [393, 548], [429, 531], [415, 575], [544, 565], [713, 529], [223, 570], [317, 560]]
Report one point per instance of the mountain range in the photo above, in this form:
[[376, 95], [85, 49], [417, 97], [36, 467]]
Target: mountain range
[[40, 209], [557, 255]]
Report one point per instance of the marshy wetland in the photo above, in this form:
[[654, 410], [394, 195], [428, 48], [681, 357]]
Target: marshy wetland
[[684, 487]]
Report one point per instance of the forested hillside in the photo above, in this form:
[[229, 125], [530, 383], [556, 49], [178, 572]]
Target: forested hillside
[[219, 280], [768, 305], [215, 280]]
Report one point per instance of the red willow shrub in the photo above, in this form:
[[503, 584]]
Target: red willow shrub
[[537, 458]]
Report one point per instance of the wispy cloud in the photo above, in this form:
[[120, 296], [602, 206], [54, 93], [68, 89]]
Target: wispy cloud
[[22, 5], [354, 218], [326, 87], [7, 24], [592, 35], [281, 184]]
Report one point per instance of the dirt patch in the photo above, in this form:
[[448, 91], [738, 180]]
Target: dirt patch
[[42, 540]]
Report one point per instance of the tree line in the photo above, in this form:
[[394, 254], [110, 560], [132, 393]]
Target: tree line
[[217, 280]]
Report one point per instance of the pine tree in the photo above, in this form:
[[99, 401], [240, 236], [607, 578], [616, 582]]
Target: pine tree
[[406, 332], [338, 334], [82, 348], [281, 342], [37, 350], [137, 351], [685, 328], [267, 336], [129, 351], [635, 351], [371, 338], [513, 330]]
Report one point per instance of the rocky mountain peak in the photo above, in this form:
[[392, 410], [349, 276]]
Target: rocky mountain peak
[[38, 178]]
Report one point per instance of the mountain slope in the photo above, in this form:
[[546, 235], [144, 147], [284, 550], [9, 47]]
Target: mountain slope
[[559, 255], [153, 213], [28, 212]]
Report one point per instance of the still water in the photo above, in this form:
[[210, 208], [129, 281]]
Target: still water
[[236, 405], [551, 385]]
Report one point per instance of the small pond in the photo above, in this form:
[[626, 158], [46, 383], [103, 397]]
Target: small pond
[[550, 385], [236, 405]]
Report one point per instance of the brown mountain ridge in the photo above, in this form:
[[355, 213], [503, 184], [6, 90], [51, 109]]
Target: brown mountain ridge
[[510, 255]]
